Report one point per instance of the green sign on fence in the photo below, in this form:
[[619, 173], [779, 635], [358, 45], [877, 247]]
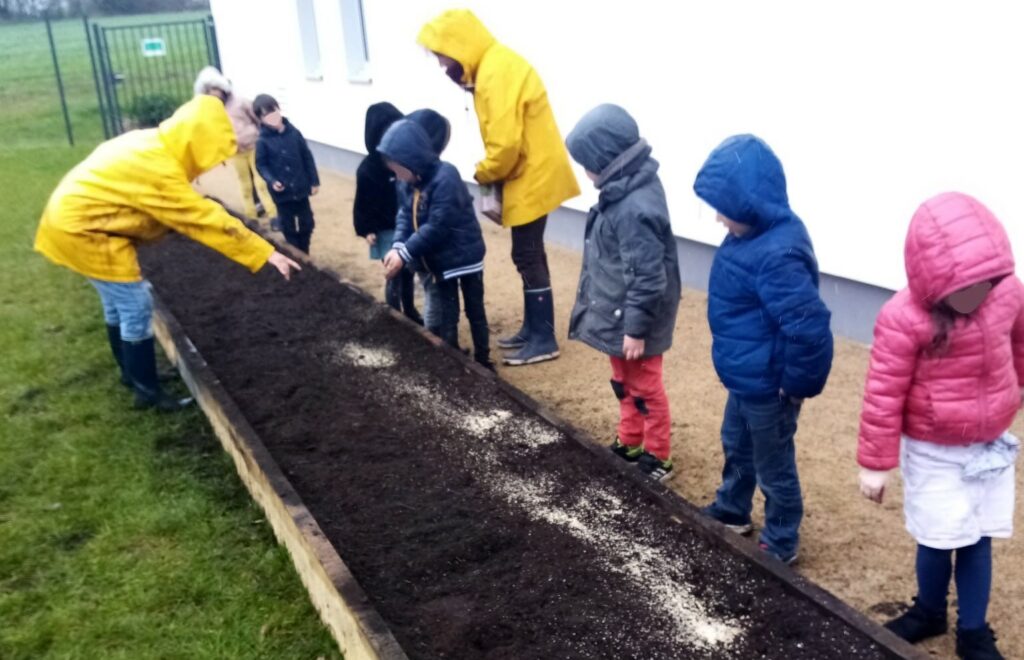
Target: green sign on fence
[[154, 47]]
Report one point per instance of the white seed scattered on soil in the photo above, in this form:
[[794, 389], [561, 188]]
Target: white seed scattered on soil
[[366, 356], [591, 518]]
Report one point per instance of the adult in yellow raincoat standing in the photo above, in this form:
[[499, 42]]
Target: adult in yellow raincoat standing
[[137, 188], [524, 152]]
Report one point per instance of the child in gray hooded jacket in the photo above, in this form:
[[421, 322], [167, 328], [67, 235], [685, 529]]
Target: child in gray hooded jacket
[[629, 286]]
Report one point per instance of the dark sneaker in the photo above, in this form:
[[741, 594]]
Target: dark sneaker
[[788, 560], [161, 402], [275, 224], [626, 452], [977, 644], [732, 521], [260, 211], [653, 467], [917, 624]]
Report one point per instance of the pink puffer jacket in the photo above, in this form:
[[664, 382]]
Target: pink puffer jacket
[[972, 391]]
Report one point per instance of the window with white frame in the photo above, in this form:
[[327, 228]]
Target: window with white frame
[[357, 55], [309, 39]]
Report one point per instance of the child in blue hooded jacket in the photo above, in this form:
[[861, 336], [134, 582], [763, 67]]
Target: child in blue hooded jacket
[[437, 229], [772, 345]]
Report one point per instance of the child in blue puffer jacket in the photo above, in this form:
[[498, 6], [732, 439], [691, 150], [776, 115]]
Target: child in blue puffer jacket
[[772, 345], [438, 229]]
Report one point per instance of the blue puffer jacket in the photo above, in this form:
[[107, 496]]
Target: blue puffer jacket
[[437, 225], [769, 326], [284, 156]]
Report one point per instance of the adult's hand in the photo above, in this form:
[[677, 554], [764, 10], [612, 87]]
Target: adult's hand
[[632, 348], [277, 186], [872, 484], [283, 264], [393, 264]]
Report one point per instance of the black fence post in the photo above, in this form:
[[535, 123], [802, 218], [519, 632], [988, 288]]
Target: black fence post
[[96, 77], [60, 83]]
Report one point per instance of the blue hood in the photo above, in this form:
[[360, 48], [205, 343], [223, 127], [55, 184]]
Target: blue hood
[[743, 180], [602, 138], [407, 144], [436, 126]]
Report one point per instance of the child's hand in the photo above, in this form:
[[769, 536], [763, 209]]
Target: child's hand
[[632, 348], [371, 239], [795, 400], [277, 186], [283, 264], [314, 190], [393, 264], [872, 484]]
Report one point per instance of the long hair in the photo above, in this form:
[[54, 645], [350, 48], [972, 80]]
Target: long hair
[[943, 320]]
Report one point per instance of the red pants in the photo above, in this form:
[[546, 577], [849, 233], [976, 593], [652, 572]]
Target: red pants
[[644, 417]]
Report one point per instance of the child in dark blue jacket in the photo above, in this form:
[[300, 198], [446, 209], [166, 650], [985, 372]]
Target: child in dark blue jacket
[[376, 206], [772, 346], [439, 230], [285, 162]]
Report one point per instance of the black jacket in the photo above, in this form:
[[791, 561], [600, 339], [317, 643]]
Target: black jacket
[[285, 157], [376, 202]]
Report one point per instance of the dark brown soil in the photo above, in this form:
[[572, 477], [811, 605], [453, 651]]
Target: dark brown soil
[[476, 528]]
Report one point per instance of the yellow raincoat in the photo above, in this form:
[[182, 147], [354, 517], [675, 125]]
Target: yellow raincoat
[[523, 147], [136, 187]]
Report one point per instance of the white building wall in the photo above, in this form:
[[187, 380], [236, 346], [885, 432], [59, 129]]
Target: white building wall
[[872, 105]]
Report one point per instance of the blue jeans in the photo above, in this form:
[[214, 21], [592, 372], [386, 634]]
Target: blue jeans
[[431, 303], [758, 440], [128, 305]]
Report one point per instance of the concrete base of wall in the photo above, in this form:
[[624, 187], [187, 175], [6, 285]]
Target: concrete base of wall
[[854, 304]]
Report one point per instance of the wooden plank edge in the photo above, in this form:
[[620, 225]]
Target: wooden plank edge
[[357, 627]]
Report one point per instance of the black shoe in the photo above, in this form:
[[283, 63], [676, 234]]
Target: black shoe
[[788, 559], [629, 453], [917, 624], [275, 224], [487, 364], [653, 467], [732, 521], [140, 364], [977, 644], [260, 211], [415, 317]]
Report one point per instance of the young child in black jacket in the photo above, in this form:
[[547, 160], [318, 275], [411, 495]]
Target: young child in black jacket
[[285, 162], [376, 205]]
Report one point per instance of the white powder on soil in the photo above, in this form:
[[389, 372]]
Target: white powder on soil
[[366, 356], [593, 517]]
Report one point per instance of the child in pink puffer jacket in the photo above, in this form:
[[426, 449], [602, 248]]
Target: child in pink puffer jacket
[[945, 383]]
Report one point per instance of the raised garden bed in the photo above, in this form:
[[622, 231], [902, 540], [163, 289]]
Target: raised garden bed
[[475, 524]]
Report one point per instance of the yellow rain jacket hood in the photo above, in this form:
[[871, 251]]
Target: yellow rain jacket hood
[[137, 187], [523, 148]]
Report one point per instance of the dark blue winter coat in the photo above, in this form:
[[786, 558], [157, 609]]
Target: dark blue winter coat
[[376, 200], [437, 226], [769, 326], [629, 284], [284, 156]]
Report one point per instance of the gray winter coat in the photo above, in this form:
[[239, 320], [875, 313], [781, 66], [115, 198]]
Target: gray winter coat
[[630, 283]]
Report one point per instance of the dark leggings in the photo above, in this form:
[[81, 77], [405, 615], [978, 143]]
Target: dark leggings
[[296, 222], [973, 581], [400, 292], [528, 254]]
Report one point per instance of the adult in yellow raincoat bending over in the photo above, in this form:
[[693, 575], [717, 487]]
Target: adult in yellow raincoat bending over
[[524, 152], [137, 188]]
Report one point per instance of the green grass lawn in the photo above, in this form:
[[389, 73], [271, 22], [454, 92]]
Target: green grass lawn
[[123, 534]]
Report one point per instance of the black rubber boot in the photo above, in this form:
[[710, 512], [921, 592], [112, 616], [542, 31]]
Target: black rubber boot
[[977, 644], [540, 343], [140, 364], [918, 624], [517, 339], [117, 348]]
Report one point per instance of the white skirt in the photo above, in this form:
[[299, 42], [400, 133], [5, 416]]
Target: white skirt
[[945, 510]]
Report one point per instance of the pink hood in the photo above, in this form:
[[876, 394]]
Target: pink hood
[[954, 241], [972, 391]]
